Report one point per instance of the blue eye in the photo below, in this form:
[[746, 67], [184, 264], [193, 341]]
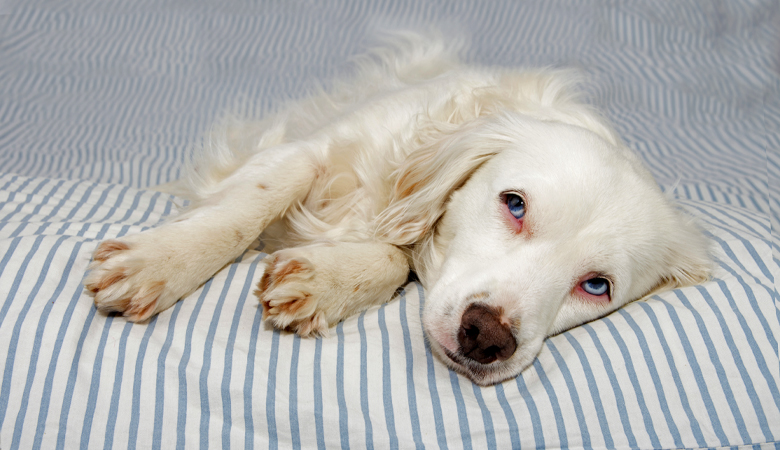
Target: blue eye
[[516, 205], [595, 286]]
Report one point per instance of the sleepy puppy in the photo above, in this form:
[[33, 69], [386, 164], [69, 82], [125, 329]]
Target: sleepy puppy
[[516, 205]]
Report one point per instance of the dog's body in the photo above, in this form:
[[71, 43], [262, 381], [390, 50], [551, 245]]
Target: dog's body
[[517, 206]]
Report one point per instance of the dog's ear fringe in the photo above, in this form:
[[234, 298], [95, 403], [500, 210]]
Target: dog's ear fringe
[[680, 279], [425, 180], [691, 261]]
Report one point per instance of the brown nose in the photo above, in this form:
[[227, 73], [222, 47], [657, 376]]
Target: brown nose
[[482, 336]]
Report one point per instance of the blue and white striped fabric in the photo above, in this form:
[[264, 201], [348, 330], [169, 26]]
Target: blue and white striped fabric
[[100, 98]]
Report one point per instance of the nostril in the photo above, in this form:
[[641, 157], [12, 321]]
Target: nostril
[[471, 332], [483, 337]]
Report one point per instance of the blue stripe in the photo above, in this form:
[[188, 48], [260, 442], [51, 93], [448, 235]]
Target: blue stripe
[[318, 405], [364, 382], [295, 429], [270, 392], [387, 394], [342, 401], [433, 390], [463, 421], [414, 418], [248, 390]]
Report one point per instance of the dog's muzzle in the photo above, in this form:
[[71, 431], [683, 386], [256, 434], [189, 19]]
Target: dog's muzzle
[[483, 336]]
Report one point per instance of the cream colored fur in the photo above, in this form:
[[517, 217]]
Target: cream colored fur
[[404, 166]]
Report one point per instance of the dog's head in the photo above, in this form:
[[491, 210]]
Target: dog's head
[[554, 226]]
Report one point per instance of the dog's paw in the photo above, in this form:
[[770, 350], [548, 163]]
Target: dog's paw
[[290, 296], [122, 279]]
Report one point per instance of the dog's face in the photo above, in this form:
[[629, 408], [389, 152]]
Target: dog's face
[[557, 229]]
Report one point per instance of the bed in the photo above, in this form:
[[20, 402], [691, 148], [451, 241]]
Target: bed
[[100, 101]]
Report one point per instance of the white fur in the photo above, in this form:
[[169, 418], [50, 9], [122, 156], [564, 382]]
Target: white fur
[[403, 167]]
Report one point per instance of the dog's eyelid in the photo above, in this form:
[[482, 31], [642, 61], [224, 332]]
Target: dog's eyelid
[[518, 192], [597, 274], [504, 197]]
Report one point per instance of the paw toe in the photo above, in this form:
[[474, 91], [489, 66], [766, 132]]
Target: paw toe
[[144, 303], [105, 279], [315, 326], [287, 309], [108, 248]]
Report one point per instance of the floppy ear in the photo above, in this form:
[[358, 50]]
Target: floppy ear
[[428, 176], [689, 260]]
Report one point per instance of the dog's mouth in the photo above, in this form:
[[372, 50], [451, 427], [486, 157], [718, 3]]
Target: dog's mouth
[[479, 373], [468, 367]]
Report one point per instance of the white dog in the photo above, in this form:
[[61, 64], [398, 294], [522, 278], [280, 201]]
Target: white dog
[[516, 205]]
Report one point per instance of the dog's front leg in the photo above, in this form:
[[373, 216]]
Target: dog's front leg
[[140, 275], [307, 289]]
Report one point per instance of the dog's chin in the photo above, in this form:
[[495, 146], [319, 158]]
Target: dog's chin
[[481, 374]]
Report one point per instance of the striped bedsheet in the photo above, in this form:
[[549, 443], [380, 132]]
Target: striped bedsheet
[[100, 99]]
